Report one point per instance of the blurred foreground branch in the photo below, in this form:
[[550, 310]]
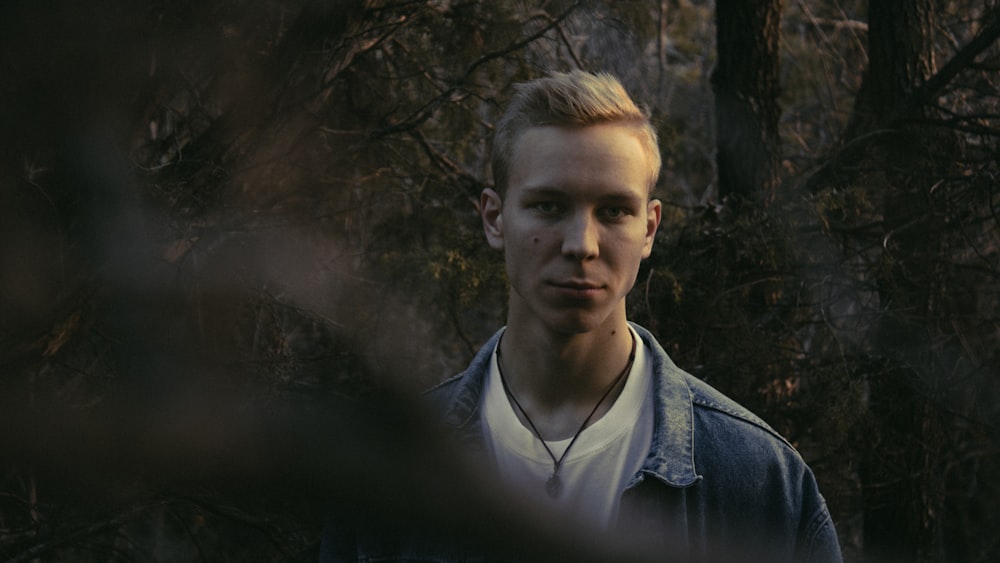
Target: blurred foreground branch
[[383, 465]]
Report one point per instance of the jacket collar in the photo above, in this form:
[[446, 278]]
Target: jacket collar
[[671, 457]]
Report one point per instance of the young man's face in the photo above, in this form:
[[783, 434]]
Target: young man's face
[[574, 224]]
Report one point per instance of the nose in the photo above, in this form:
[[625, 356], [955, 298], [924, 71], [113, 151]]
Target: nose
[[580, 240]]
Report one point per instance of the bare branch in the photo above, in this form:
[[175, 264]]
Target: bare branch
[[85, 532], [962, 60], [428, 109]]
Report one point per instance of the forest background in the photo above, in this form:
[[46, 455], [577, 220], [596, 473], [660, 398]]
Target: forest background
[[223, 222]]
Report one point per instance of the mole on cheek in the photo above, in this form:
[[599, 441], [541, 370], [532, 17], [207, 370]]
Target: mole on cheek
[[535, 240]]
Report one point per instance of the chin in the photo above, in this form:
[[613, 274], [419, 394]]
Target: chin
[[558, 318], [576, 325]]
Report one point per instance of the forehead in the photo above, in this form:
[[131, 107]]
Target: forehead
[[600, 158]]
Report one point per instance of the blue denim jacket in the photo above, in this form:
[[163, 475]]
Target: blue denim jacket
[[718, 483]]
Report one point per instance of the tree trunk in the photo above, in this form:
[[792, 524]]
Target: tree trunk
[[902, 474], [746, 87], [900, 59]]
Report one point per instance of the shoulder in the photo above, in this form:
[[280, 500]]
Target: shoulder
[[442, 394], [722, 435], [711, 410], [722, 415], [745, 469], [456, 399], [743, 462], [730, 438]]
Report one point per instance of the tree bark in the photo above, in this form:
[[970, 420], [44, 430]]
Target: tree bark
[[746, 87], [901, 472], [900, 60]]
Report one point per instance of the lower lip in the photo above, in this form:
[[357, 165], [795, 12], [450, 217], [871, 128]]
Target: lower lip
[[577, 292]]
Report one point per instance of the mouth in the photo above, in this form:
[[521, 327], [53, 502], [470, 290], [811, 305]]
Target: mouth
[[577, 289], [579, 285]]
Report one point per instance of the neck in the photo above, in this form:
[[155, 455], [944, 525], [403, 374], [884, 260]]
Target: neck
[[558, 375]]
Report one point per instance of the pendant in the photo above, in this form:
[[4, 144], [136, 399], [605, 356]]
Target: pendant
[[553, 486]]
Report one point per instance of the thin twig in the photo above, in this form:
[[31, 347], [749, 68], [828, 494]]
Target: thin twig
[[428, 109]]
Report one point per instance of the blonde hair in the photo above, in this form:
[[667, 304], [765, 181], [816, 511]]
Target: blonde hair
[[575, 99]]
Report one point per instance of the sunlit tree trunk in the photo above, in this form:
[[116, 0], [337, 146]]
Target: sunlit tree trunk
[[746, 87]]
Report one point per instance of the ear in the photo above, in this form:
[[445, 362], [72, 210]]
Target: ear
[[491, 210], [654, 210]]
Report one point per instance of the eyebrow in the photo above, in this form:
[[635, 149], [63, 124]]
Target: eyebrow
[[542, 191], [620, 196]]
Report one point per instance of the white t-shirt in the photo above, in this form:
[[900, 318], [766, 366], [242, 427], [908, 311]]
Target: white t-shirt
[[603, 460]]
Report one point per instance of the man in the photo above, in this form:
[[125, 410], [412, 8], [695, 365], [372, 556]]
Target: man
[[582, 411]]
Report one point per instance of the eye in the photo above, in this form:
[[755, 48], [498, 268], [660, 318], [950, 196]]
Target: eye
[[615, 212], [546, 207]]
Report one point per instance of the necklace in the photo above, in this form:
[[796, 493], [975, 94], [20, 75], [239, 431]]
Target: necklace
[[554, 485]]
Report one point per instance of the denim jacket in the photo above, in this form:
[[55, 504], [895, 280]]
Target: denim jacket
[[718, 483]]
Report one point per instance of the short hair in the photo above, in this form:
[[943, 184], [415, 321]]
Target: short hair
[[575, 98]]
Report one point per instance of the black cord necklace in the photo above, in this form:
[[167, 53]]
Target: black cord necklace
[[554, 485]]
